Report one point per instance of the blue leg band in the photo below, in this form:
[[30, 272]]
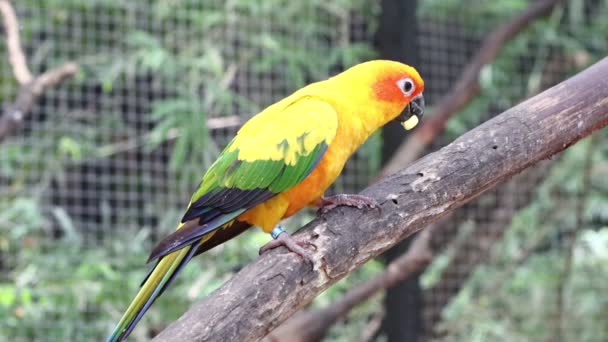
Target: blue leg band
[[276, 231]]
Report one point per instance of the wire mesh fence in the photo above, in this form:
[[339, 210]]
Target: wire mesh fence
[[105, 162]]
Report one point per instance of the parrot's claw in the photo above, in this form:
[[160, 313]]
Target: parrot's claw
[[295, 245], [326, 204]]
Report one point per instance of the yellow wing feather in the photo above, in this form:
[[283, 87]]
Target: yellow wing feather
[[286, 132]]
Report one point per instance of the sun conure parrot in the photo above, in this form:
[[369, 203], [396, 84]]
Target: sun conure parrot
[[282, 160]]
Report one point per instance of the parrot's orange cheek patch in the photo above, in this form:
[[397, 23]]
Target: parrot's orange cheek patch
[[386, 89]]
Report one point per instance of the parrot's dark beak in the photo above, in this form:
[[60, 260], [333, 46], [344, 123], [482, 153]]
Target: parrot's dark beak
[[412, 113]]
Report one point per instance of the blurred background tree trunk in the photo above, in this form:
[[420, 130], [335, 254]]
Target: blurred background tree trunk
[[396, 39]]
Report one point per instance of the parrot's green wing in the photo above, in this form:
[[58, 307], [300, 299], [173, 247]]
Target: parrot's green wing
[[271, 153]]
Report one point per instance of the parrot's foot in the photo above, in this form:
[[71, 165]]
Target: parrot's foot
[[326, 204], [295, 245]]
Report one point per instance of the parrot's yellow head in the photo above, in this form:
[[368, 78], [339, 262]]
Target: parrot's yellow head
[[395, 88]]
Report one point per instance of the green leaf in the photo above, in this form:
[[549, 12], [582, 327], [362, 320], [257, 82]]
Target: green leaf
[[69, 148], [7, 295]]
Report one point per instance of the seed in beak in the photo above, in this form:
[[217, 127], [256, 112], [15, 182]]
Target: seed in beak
[[410, 123]]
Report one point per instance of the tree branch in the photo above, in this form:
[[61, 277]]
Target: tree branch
[[31, 88], [314, 324], [271, 288], [13, 44], [466, 88]]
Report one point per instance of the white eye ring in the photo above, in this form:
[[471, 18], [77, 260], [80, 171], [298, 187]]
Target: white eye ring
[[407, 86]]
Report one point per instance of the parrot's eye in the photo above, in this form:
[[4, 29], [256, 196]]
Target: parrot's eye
[[406, 85]]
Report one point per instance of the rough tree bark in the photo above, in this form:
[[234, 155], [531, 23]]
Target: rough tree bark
[[271, 288], [313, 325]]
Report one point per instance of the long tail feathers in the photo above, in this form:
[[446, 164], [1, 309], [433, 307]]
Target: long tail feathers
[[165, 271], [162, 275]]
